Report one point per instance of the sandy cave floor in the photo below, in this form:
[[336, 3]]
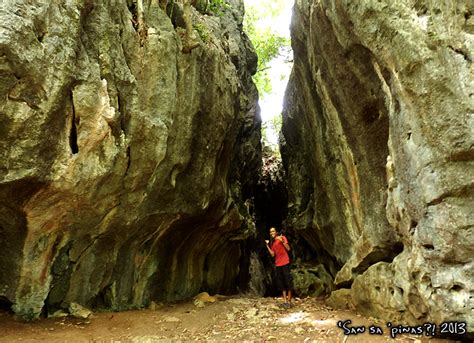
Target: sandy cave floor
[[227, 319]]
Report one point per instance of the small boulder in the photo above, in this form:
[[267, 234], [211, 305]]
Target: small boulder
[[311, 280], [59, 314], [198, 303], [79, 311], [205, 297], [340, 300], [154, 306]]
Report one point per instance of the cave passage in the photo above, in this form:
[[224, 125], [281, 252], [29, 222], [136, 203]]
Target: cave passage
[[270, 200], [270, 196], [271, 78]]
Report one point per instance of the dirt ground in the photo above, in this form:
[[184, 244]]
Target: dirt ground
[[227, 319]]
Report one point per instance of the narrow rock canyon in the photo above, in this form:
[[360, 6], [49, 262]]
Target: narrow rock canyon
[[132, 170]]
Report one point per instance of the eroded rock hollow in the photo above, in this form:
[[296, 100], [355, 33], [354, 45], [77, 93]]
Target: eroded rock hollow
[[126, 152], [379, 153]]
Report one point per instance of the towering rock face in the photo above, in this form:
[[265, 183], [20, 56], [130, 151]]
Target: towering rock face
[[379, 151], [124, 160]]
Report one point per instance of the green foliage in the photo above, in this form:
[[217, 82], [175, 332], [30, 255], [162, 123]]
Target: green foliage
[[218, 7], [274, 124], [267, 43], [202, 31], [269, 47]]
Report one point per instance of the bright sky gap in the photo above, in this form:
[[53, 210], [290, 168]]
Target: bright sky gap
[[271, 104]]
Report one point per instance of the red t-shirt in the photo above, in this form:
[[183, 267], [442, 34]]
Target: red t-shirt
[[281, 255]]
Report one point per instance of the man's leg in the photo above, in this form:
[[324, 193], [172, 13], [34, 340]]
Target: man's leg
[[280, 282], [288, 281]]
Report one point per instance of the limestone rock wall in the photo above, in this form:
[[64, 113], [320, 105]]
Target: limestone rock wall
[[124, 161], [379, 151]]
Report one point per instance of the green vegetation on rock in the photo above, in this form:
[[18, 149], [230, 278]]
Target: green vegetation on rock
[[202, 31], [211, 7], [218, 6]]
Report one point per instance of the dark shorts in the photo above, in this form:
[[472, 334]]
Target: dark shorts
[[284, 281]]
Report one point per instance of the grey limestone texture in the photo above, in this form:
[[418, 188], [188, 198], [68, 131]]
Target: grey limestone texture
[[124, 161], [378, 147]]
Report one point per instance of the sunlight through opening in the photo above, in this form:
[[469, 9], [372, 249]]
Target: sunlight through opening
[[267, 22]]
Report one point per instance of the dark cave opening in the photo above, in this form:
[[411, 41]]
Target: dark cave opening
[[306, 257], [313, 269], [270, 200], [5, 304]]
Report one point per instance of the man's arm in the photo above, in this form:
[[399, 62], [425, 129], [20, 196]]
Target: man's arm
[[270, 250], [285, 242]]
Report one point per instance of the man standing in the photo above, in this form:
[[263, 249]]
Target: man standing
[[278, 247]]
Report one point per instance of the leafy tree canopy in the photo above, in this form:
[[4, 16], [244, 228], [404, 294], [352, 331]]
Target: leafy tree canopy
[[268, 43]]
